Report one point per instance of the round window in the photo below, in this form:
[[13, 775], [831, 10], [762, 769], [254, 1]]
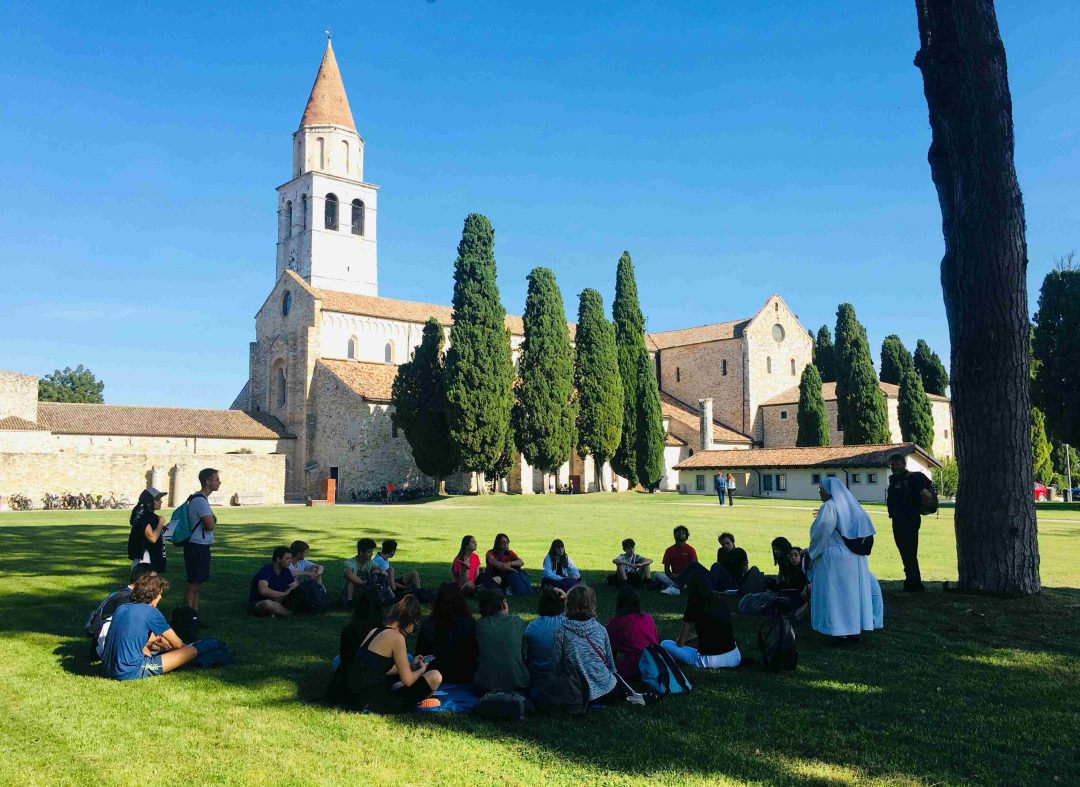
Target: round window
[[778, 332], [286, 303]]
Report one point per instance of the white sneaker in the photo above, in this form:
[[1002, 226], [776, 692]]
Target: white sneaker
[[671, 591]]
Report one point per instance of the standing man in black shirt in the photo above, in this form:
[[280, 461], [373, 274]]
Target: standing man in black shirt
[[904, 499]]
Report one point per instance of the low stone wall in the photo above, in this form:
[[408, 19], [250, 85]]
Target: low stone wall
[[126, 475]]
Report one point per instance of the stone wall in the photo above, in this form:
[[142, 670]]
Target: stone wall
[[773, 365], [696, 371], [780, 425], [126, 475], [18, 395]]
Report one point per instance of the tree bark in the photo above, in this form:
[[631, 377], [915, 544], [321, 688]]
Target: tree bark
[[440, 487], [600, 485], [983, 276]]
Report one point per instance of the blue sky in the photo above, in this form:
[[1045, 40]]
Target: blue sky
[[736, 149]]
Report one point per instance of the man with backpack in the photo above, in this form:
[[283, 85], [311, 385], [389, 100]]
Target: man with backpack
[[97, 626], [272, 585], [908, 495], [202, 524]]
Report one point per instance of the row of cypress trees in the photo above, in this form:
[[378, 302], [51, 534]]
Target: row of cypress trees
[[468, 408], [861, 405]]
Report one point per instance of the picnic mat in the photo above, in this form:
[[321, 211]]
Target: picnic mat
[[454, 698]]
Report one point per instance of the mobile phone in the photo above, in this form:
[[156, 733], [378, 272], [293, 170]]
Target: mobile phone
[[427, 659]]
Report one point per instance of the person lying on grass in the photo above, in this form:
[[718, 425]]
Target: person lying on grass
[[379, 676], [302, 568], [271, 586], [141, 644]]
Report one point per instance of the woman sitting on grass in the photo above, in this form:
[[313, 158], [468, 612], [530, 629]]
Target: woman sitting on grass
[[379, 677], [449, 634], [559, 569], [585, 644], [367, 615], [540, 633], [465, 569], [711, 620], [504, 569], [631, 631], [140, 642]]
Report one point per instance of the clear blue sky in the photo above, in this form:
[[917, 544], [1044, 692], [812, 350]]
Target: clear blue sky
[[736, 149]]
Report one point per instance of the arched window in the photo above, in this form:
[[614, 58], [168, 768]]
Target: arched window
[[278, 395], [288, 219], [303, 212], [345, 154], [389, 352], [357, 217], [331, 212], [286, 303], [793, 367], [768, 364], [353, 346]]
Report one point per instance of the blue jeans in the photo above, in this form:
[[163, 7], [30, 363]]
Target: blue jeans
[[684, 654], [517, 583]]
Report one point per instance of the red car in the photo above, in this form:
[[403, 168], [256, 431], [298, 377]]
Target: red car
[[1040, 492]]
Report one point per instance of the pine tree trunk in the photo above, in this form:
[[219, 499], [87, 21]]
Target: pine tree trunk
[[983, 276]]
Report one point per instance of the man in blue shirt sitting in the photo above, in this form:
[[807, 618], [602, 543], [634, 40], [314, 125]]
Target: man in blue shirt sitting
[[140, 643], [272, 585]]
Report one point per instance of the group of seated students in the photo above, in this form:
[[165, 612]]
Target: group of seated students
[[371, 569], [271, 589]]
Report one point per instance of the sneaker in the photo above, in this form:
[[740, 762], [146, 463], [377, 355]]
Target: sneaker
[[671, 591], [635, 699], [430, 702]]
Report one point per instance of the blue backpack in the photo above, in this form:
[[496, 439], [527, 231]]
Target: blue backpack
[[661, 674], [179, 527]]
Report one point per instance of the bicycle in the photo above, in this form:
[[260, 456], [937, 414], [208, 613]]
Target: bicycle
[[19, 502]]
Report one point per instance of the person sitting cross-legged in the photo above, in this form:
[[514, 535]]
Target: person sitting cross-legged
[[449, 634], [500, 638], [272, 585], [540, 633], [400, 585], [140, 643], [630, 632], [635, 569], [559, 569]]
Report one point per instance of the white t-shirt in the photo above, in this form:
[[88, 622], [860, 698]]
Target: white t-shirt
[[301, 565], [198, 507], [635, 562]]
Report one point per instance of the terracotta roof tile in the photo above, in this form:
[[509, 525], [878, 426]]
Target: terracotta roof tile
[[406, 311], [832, 456], [328, 104], [684, 422], [828, 392], [371, 381], [132, 421], [699, 335], [13, 423]]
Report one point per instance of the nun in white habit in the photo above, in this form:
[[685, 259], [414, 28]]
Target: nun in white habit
[[845, 598]]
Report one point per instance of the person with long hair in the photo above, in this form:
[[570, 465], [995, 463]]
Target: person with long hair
[[379, 676], [845, 598], [504, 564], [449, 634], [146, 541], [710, 617], [559, 569], [584, 643], [540, 633], [367, 614], [630, 631], [465, 569]]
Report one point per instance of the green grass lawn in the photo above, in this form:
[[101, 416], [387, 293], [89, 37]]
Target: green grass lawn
[[956, 689]]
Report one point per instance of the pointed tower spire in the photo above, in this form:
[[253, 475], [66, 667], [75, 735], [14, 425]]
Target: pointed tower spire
[[328, 104]]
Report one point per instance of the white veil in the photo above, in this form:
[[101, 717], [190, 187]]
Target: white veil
[[852, 521]]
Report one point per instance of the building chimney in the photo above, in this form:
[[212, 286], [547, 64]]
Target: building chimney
[[706, 425]]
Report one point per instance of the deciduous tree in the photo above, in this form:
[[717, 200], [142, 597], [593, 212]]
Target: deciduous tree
[[598, 383], [983, 276], [71, 385]]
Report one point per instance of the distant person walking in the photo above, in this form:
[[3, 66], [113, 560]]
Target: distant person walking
[[730, 489], [904, 500], [146, 542], [720, 485], [203, 524], [845, 598]]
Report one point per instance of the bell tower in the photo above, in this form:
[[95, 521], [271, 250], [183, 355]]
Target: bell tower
[[327, 214]]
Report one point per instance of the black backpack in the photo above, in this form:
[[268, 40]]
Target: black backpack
[[185, 622], [564, 690], [776, 641], [309, 597]]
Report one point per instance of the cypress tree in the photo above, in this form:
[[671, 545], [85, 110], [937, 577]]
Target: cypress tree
[[479, 369], [930, 368], [1056, 350], [543, 415], [650, 425], [825, 355], [894, 360], [813, 419], [914, 411], [851, 343], [419, 398], [1041, 450], [867, 420], [629, 342], [598, 383]]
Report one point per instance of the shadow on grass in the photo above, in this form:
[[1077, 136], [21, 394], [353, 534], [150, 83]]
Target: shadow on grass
[[949, 691]]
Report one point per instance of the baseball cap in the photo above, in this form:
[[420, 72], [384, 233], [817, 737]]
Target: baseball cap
[[155, 493]]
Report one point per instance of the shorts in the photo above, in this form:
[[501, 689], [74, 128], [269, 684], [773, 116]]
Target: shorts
[[150, 668], [197, 562]]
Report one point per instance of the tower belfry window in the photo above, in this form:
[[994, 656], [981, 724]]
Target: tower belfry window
[[331, 212], [357, 217], [288, 219]]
